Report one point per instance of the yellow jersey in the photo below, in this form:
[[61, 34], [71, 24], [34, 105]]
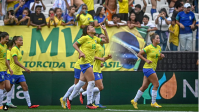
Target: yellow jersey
[[51, 21], [153, 54], [85, 19], [90, 4], [59, 21], [3, 50], [12, 4], [17, 70], [124, 6], [88, 47], [77, 65], [99, 53], [8, 58], [174, 36]]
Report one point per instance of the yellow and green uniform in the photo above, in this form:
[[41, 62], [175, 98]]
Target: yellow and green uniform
[[153, 54], [15, 51], [174, 36], [88, 47], [52, 21], [90, 4], [124, 6], [85, 19], [12, 4], [3, 50], [77, 65], [99, 53]]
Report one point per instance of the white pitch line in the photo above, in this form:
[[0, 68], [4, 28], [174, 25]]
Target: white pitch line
[[144, 110]]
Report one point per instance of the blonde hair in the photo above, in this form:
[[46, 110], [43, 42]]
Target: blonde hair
[[152, 36]]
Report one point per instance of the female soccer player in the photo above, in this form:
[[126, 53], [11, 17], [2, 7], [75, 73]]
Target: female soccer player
[[98, 73], [154, 54], [4, 37], [86, 55], [15, 64]]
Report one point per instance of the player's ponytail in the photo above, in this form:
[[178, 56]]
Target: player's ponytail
[[9, 43], [152, 35]]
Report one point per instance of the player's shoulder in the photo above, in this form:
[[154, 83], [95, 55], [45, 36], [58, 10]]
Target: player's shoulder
[[158, 47], [14, 48]]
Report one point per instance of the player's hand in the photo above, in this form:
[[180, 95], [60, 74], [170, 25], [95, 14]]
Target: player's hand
[[27, 70], [182, 26], [81, 55], [109, 56], [192, 26], [102, 65], [103, 27], [148, 61], [162, 56], [11, 72]]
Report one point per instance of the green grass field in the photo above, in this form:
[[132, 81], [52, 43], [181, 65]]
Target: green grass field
[[111, 108]]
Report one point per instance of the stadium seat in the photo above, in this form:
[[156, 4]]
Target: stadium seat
[[48, 1], [197, 16], [139, 2], [118, 7], [48, 6], [155, 15], [96, 6], [170, 15], [148, 14], [1, 23], [148, 8], [162, 2], [163, 6]]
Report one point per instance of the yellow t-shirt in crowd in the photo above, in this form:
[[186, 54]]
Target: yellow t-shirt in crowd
[[3, 50], [90, 4], [99, 53], [124, 6], [17, 70], [51, 21], [12, 4], [60, 21], [174, 36], [88, 47], [153, 54], [85, 19]]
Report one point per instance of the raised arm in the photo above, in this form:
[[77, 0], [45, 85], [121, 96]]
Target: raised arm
[[106, 39], [145, 5], [43, 6]]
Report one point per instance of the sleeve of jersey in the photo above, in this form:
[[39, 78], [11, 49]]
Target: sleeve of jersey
[[13, 52], [91, 18], [146, 49], [99, 40], [82, 40]]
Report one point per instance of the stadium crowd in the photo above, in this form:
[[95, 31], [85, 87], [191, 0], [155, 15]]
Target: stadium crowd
[[178, 28]]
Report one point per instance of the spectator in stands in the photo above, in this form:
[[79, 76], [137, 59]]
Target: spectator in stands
[[11, 3], [195, 5], [197, 36], [90, 5], [154, 6], [2, 9], [111, 8], [84, 18], [58, 15], [163, 21], [133, 22], [138, 12], [171, 5], [35, 3], [69, 19], [25, 18], [121, 22], [146, 22], [20, 7], [100, 18], [124, 9], [114, 22], [174, 33], [186, 20], [10, 18], [179, 8], [38, 19], [62, 4], [131, 2], [52, 20]]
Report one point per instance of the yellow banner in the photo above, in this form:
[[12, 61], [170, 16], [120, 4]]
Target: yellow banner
[[51, 48]]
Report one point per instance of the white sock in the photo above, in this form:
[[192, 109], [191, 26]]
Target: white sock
[[9, 95], [138, 95], [1, 99], [90, 87], [154, 95], [97, 98], [95, 92], [27, 96], [76, 89], [70, 90], [84, 93], [81, 90], [4, 95]]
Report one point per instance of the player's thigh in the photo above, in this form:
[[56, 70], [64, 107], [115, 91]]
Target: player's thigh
[[24, 86], [89, 75], [82, 77], [153, 79], [2, 85], [7, 85]]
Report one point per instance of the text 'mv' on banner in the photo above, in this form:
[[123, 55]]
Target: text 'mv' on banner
[[51, 49]]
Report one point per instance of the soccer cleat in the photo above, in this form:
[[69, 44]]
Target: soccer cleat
[[81, 98], [90, 106], [1, 107], [100, 106], [134, 104], [63, 103], [68, 104], [33, 106], [95, 105], [156, 105], [11, 105]]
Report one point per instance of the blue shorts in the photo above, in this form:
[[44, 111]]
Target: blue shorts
[[7, 76], [77, 73], [148, 71], [16, 79], [84, 67], [2, 76], [98, 76]]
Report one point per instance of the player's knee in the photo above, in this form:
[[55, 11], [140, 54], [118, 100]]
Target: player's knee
[[101, 87], [25, 87], [156, 85]]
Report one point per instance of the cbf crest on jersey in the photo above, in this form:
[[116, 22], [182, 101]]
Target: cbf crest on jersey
[[95, 41], [190, 17]]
